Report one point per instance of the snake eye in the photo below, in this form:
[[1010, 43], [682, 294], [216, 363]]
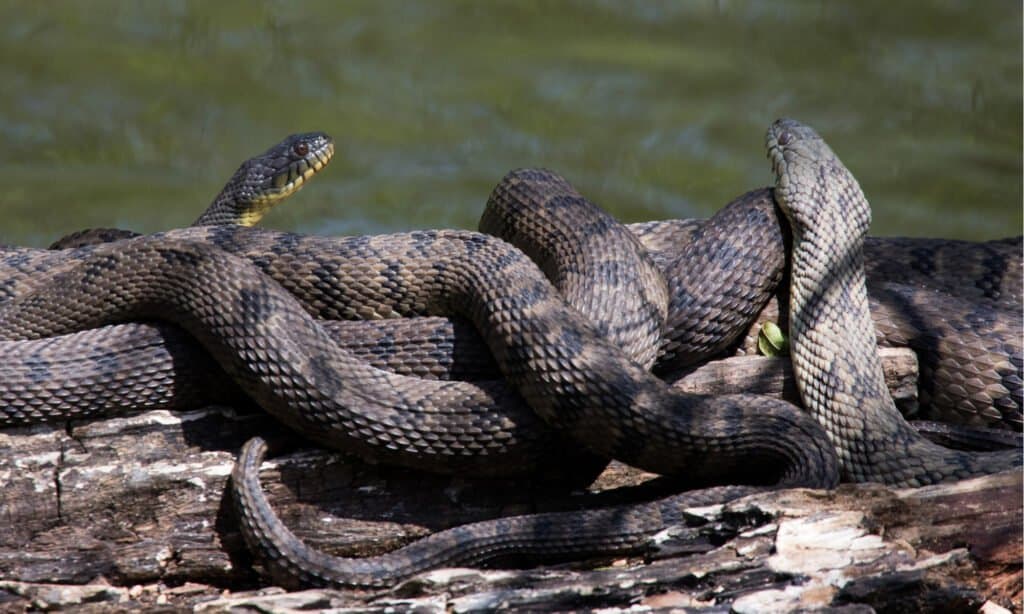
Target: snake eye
[[300, 149], [785, 137]]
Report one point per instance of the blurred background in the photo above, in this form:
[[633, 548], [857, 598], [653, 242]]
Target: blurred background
[[135, 114]]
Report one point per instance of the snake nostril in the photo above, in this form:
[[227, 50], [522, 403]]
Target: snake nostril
[[301, 149]]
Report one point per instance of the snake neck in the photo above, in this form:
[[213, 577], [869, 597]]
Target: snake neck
[[835, 356], [236, 205], [233, 213], [833, 349], [263, 181]]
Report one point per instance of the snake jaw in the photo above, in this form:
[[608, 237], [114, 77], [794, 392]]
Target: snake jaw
[[305, 155], [264, 181]]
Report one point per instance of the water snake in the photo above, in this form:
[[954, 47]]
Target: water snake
[[839, 376], [260, 183], [833, 349], [704, 316], [158, 367], [163, 370], [577, 380], [445, 280], [773, 435]]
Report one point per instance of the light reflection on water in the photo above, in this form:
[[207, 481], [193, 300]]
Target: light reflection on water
[[133, 116]]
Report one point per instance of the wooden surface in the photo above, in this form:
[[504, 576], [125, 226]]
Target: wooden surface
[[133, 512]]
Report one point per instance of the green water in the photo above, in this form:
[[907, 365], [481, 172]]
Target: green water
[[134, 114]]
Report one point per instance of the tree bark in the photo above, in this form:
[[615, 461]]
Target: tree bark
[[132, 512]]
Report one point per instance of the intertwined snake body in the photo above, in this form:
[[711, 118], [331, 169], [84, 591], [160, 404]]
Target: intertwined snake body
[[578, 381], [839, 375], [568, 366], [720, 273], [834, 353]]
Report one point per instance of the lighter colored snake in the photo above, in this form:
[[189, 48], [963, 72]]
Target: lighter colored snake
[[835, 358]]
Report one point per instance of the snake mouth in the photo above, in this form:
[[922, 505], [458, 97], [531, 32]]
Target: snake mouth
[[298, 172], [315, 154], [776, 156]]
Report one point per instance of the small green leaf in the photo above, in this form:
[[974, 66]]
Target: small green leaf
[[771, 341]]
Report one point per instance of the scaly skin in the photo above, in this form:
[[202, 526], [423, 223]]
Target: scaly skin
[[615, 531], [835, 359], [720, 273]]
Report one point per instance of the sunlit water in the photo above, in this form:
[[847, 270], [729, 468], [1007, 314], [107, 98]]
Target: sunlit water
[[134, 114]]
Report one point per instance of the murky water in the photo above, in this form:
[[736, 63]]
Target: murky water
[[134, 114]]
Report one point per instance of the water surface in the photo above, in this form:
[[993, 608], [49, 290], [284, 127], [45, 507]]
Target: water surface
[[133, 115]]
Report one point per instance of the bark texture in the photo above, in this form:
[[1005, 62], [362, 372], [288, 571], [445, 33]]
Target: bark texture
[[132, 513]]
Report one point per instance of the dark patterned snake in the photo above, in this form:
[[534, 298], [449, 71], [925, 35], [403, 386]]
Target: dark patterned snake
[[578, 380], [838, 371], [159, 367], [259, 184], [834, 353]]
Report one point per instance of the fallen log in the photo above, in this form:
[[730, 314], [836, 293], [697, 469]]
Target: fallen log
[[774, 377], [133, 511]]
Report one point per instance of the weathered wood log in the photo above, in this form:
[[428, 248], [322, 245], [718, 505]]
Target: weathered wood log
[[774, 377], [134, 511]]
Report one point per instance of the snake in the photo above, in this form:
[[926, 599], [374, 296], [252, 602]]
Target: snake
[[159, 366], [835, 361], [170, 372], [75, 376], [264, 336], [603, 399], [146, 366], [838, 374], [260, 183], [96, 265], [424, 348]]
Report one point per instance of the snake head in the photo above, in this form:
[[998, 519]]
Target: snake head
[[265, 180], [811, 184]]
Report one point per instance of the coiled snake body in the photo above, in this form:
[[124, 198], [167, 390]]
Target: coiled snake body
[[834, 353], [718, 280], [837, 367], [575, 378], [158, 368]]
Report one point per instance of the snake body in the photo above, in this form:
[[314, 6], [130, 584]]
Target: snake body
[[614, 531], [567, 368], [743, 242], [155, 368], [835, 360], [839, 376], [577, 381]]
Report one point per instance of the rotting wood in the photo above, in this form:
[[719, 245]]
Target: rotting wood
[[774, 377], [133, 511]]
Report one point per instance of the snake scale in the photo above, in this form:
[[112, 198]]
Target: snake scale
[[160, 368], [259, 184], [834, 352], [837, 368], [544, 318], [946, 330]]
